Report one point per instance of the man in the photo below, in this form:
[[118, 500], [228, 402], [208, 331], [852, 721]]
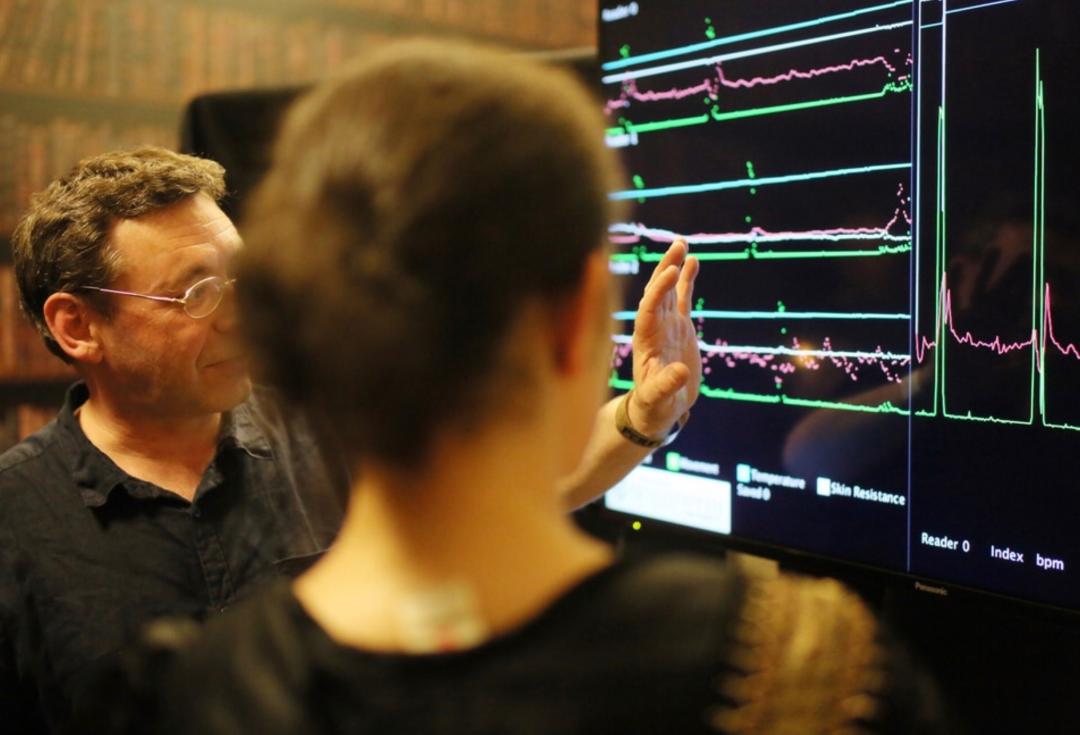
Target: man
[[165, 486]]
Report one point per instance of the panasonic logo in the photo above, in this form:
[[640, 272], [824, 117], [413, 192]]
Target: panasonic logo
[[931, 589]]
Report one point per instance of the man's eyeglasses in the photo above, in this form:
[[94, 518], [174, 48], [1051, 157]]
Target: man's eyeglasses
[[199, 301]]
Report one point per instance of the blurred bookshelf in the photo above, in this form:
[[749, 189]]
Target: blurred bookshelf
[[32, 380], [81, 77]]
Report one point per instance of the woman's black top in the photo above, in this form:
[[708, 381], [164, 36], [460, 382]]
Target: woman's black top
[[670, 644]]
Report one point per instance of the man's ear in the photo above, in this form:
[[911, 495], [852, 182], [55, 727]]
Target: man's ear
[[587, 310], [71, 322]]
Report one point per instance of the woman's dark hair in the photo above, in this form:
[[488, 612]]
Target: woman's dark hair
[[414, 205]]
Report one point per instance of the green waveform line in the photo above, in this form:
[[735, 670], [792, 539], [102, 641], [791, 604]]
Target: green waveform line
[[718, 116], [1066, 427], [1037, 404], [775, 399], [969, 416], [728, 394], [795, 254], [939, 252], [681, 122], [890, 88], [1038, 219], [755, 254], [733, 395], [886, 407], [762, 181], [1038, 234]]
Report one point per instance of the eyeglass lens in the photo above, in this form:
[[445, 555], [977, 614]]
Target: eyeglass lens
[[203, 298]]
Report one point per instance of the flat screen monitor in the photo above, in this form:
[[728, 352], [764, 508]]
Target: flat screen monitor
[[885, 201]]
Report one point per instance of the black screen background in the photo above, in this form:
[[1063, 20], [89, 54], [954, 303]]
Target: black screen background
[[983, 482]]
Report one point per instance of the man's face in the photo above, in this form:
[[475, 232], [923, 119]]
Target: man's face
[[158, 360]]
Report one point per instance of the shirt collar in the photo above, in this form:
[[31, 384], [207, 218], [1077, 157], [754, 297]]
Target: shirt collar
[[96, 475], [239, 429]]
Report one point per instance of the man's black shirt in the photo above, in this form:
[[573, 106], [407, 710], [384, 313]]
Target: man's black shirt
[[88, 553]]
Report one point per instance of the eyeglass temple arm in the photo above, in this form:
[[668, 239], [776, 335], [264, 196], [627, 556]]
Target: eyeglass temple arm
[[167, 299]]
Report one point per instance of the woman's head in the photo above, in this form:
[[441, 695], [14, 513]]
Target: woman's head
[[418, 206]]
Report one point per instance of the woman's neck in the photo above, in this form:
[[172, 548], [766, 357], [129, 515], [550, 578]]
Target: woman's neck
[[477, 538]]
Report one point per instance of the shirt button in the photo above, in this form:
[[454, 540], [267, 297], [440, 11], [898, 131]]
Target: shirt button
[[195, 512]]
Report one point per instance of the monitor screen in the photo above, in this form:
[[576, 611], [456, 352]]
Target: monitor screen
[[884, 200]]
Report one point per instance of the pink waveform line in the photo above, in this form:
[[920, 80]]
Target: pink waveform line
[[786, 365], [851, 366], [997, 344], [922, 346], [629, 233], [922, 343], [900, 209], [711, 86], [754, 233], [797, 74], [1069, 349]]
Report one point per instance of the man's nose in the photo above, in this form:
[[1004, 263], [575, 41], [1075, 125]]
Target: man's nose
[[225, 316]]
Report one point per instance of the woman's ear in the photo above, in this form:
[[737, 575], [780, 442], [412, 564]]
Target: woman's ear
[[71, 322]]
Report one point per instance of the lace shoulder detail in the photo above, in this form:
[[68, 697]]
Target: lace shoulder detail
[[806, 658]]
